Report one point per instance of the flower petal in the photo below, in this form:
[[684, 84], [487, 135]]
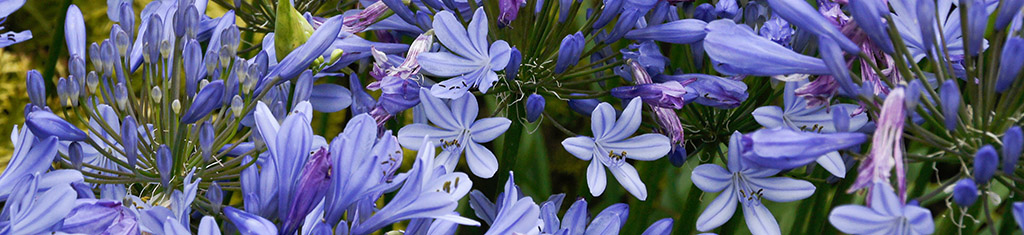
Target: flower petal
[[477, 31], [782, 189], [266, 124], [628, 177], [450, 32], [445, 64], [884, 200], [646, 147], [760, 221], [596, 179], [856, 219], [628, 122], [719, 211], [411, 136], [500, 53], [768, 116], [486, 80], [580, 146], [455, 87], [465, 109], [920, 219], [485, 130], [481, 160], [437, 111], [833, 163], [710, 178], [602, 119], [575, 219]]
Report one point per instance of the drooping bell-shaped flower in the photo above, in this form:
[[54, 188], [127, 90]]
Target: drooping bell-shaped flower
[[737, 50], [985, 162], [885, 214], [965, 192], [1013, 144], [744, 184], [471, 62], [611, 146]]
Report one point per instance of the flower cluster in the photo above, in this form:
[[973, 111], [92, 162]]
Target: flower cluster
[[179, 122]]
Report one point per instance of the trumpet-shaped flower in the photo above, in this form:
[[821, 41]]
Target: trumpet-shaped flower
[[33, 209], [516, 214], [355, 174], [745, 184], [457, 131], [784, 148], [736, 50], [887, 214], [610, 148], [804, 16], [289, 144], [470, 61]]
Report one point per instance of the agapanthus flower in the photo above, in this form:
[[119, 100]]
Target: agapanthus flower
[[886, 214], [736, 50], [611, 146], [36, 208], [965, 192], [746, 184], [784, 148], [802, 15], [886, 151], [11, 38], [471, 62], [457, 132], [515, 213]]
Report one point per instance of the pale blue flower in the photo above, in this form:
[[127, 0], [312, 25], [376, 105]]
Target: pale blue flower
[[745, 184], [610, 148], [886, 214], [470, 62], [10, 38], [33, 209], [457, 131]]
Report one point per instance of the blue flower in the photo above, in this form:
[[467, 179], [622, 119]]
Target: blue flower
[[516, 214], [783, 148], [470, 61], [1018, 213], [355, 174], [92, 216], [457, 131], [745, 184], [289, 144], [33, 209], [802, 15], [248, 223], [610, 148], [797, 115], [577, 219], [11, 38], [428, 192], [737, 50], [886, 214]]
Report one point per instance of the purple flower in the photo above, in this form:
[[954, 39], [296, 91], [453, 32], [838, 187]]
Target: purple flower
[[671, 94], [660, 227], [247, 223], [1018, 213], [509, 10], [457, 131], [949, 95], [569, 51], [471, 62], [745, 184], [976, 22], [74, 32], [36, 88], [45, 124], [869, 17], [34, 209], [11, 38], [736, 50], [965, 192], [610, 147], [1010, 62], [886, 214], [356, 173], [516, 214], [1007, 12], [299, 59], [208, 99], [312, 186], [777, 30], [714, 91], [886, 147], [91, 216], [289, 144]]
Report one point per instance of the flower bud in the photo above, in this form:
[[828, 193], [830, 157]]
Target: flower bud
[[1013, 142], [215, 194], [192, 62], [130, 139], [93, 81], [74, 32], [670, 94], [514, 60], [985, 162], [311, 188], [583, 106], [44, 124], [206, 138], [1011, 63], [36, 88], [965, 193], [1008, 10], [210, 60], [164, 164], [534, 107], [777, 30], [126, 16], [949, 94], [156, 94], [73, 90], [684, 31], [225, 56], [208, 99], [75, 155], [176, 106], [976, 22], [96, 56], [726, 9], [509, 11], [303, 87], [926, 21], [237, 105], [62, 92], [913, 94], [121, 40], [121, 95], [868, 15], [569, 51], [291, 29]]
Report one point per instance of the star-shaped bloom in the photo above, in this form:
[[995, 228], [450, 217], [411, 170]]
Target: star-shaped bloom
[[470, 61], [886, 214], [746, 184], [457, 131], [797, 115], [610, 148]]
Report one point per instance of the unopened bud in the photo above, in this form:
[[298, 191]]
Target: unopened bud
[[237, 105], [176, 106], [121, 95], [93, 81], [156, 94]]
